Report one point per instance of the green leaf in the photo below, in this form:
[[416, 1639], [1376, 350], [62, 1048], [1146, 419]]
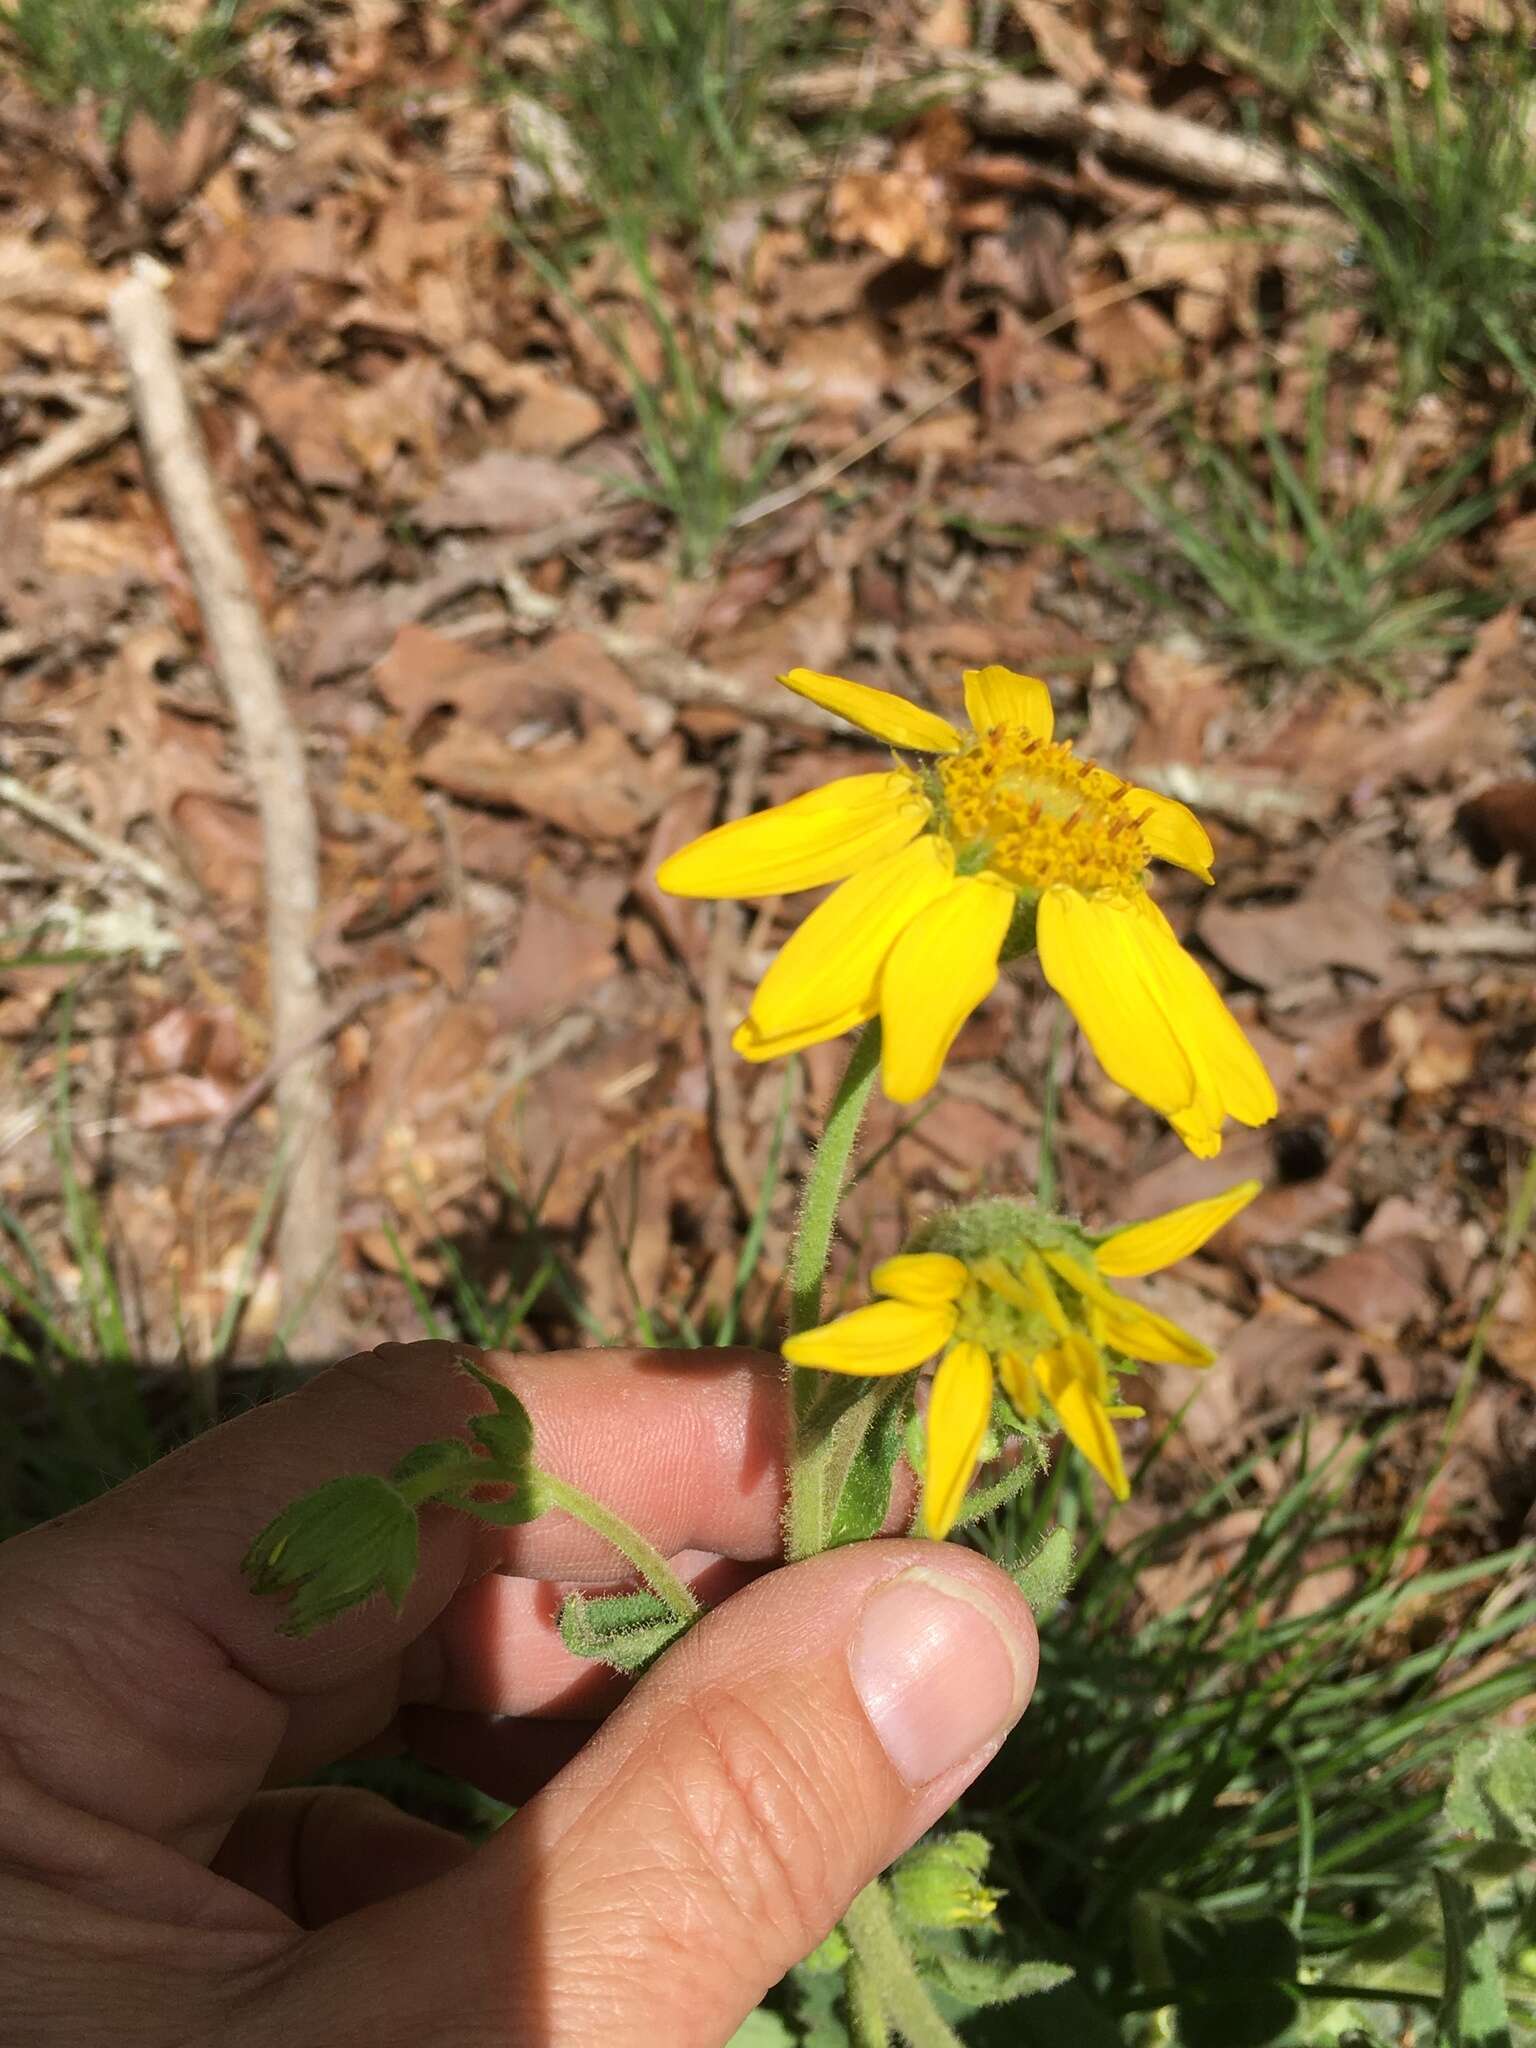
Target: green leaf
[[1472, 2013], [1234, 1982], [1493, 1788], [508, 1433], [982, 1981], [526, 1505], [1045, 1579], [335, 1548], [762, 2029], [865, 1500], [628, 1631], [444, 1451]]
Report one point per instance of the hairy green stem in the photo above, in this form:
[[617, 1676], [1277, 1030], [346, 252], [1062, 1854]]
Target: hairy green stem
[[824, 1183], [824, 1452], [880, 1952], [461, 1468], [645, 1557], [866, 2018]]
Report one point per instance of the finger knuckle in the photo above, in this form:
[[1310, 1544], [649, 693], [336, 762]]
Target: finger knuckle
[[762, 1817]]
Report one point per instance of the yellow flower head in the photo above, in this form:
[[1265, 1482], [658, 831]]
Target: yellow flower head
[[1004, 840], [1001, 1289]]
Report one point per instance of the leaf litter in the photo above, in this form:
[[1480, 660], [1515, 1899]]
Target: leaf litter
[[515, 702]]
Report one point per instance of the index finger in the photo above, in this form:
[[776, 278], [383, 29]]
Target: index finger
[[140, 1682]]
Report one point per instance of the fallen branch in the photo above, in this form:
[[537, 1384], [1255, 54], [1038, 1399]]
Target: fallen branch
[[663, 672], [309, 1232], [112, 853], [1480, 935], [997, 102]]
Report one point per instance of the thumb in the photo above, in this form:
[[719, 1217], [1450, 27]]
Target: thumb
[[720, 1823]]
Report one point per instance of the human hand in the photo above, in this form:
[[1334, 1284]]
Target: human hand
[[678, 1860]]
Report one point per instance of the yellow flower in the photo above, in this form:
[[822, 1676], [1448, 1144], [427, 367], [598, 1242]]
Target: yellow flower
[[1025, 1296], [940, 864]]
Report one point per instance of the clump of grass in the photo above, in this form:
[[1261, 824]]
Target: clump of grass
[[1295, 573], [1227, 1814], [1284, 44], [1443, 208], [665, 100], [120, 53], [663, 126], [703, 459]]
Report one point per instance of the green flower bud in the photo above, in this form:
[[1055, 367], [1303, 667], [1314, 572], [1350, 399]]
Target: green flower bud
[[829, 1955], [333, 1549], [938, 1884]]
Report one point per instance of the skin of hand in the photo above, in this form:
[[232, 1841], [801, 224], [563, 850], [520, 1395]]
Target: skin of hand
[[675, 1855]]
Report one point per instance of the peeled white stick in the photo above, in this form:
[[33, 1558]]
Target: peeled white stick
[[309, 1228]]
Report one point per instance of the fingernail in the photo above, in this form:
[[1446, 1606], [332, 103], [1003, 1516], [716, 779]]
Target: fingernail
[[939, 1670]]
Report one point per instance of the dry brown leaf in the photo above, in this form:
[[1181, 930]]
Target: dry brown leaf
[[945, 25], [565, 947], [219, 267], [508, 493], [555, 415], [1065, 48], [1130, 341], [596, 789], [223, 845], [442, 945], [165, 166], [899, 212], [1377, 1289], [101, 547], [1500, 821], [1340, 920], [177, 1099], [298, 409], [1056, 422], [1180, 698], [840, 368], [426, 671]]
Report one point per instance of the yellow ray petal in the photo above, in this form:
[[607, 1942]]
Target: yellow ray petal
[[959, 1408], [1019, 1383], [1042, 1294], [813, 839], [1092, 953], [885, 1337], [940, 968], [996, 696], [826, 977], [921, 1278], [1164, 1240], [1142, 1333], [1083, 1418], [888, 717], [991, 1272], [1212, 1036], [1081, 1277], [1172, 831]]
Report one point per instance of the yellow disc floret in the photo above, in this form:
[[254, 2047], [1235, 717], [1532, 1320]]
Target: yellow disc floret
[[1035, 815]]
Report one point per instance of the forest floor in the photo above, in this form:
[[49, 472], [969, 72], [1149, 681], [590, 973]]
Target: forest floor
[[545, 461]]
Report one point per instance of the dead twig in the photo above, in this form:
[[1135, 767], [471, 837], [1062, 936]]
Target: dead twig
[[112, 853], [724, 952], [664, 672], [997, 102], [309, 1231], [98, 422], [1480, 935]]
